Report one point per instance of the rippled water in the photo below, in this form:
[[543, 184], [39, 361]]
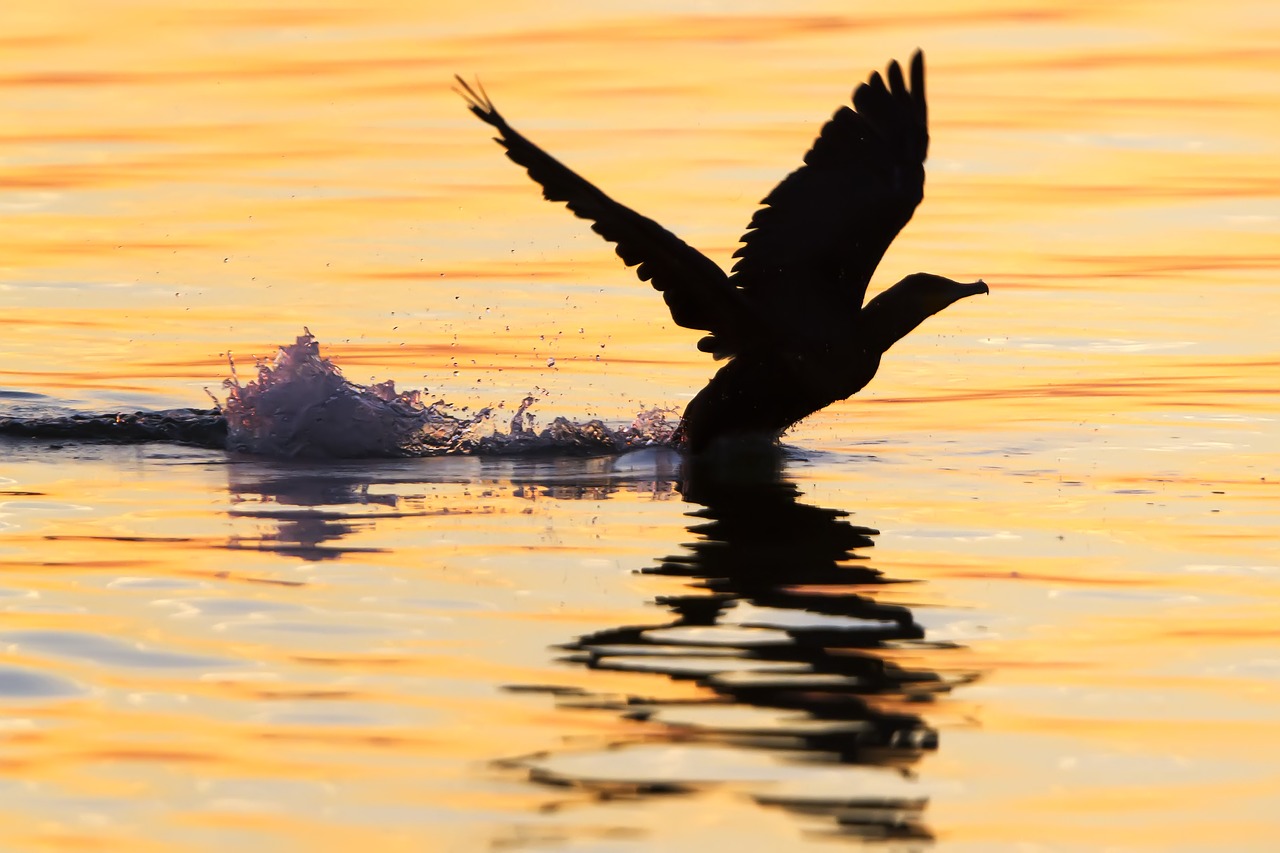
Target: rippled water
[[1021, 593]]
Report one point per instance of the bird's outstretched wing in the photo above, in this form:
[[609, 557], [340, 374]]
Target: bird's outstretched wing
[[824, 229], [694, 287]]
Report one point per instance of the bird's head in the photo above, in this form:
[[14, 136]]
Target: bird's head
[[929, 293], [899, 309]]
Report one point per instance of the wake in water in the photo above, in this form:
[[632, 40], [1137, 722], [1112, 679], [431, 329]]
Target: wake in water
[[301, 406]]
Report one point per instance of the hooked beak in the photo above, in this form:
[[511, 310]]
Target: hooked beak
[[961, 289]]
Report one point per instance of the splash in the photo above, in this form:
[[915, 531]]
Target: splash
[[301, 406]]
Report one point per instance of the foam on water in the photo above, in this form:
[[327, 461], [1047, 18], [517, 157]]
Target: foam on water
[[301, 406]]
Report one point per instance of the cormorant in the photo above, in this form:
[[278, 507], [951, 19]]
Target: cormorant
[[790, 318]]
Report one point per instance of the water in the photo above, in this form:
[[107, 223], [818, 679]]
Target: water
[[1021, 593]]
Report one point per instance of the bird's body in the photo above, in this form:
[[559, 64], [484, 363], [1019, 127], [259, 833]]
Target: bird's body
[[790, 318], [767, 389]]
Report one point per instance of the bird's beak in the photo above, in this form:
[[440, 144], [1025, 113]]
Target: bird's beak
[[963, 289]]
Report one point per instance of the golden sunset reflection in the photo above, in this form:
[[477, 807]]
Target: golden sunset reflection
[[1075, 479]]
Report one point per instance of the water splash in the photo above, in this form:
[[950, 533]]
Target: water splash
[[301, 406]]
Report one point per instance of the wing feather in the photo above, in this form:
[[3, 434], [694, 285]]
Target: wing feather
[[823, 230], [694, 287]]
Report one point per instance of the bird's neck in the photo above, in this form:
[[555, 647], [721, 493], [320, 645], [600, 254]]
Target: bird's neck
[[886, 320]]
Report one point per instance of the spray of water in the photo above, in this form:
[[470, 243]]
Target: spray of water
[[300, 405]]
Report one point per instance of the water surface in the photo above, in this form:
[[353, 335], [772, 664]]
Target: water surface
[[1062, 638]]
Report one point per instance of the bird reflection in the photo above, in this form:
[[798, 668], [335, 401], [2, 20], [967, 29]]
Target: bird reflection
[[783, 631], [802, 688]]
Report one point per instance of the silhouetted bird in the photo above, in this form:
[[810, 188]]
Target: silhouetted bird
[[790, 318]]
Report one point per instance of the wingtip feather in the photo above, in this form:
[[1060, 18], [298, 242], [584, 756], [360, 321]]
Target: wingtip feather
[[477, 102], [897, 84]]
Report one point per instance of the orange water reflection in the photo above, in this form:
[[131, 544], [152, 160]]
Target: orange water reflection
[[1080, 470]]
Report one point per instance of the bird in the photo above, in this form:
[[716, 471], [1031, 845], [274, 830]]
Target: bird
[[789, 319]]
